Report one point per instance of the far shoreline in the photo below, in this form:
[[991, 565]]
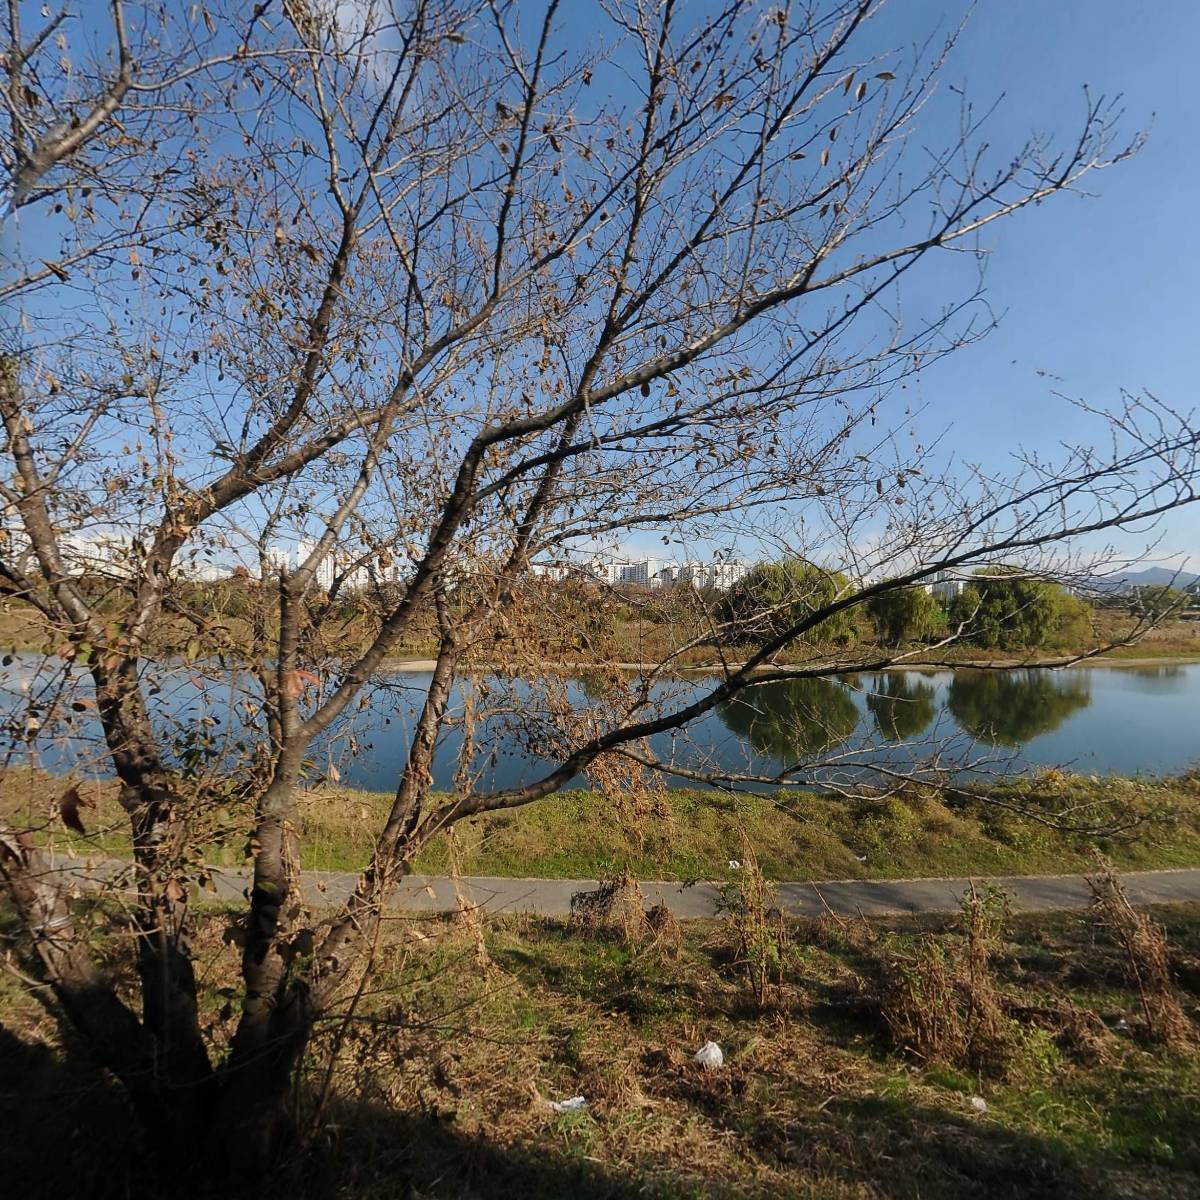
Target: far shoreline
[[423, 665]]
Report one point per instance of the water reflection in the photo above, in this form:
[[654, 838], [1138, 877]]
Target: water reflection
[[1154, 681], [804, 718], [793, 719], [1009, 708], [1118, 719], [903, 705]]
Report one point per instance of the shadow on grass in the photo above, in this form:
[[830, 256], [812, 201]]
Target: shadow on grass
[[64, 1128], [64, 1133], [875, 1147]]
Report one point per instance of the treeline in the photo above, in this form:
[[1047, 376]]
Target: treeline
[[998, 609]]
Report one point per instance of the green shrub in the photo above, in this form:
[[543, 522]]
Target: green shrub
[[904, 615], [774, 598], [1004, 609]]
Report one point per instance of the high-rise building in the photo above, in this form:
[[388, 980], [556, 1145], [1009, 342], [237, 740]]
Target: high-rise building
[[946, 585], [324, 572], [647, 572], [640, 572]]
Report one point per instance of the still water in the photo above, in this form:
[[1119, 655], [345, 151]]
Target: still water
[[1093, 720]]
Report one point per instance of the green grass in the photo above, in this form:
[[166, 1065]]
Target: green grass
[[694, 834], [581, 835], [688, 834]]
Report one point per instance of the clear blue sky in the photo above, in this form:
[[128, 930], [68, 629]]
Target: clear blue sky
[[1099, 292], [1096, 294]]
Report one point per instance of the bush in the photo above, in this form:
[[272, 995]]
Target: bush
[[1147, 959], [615, 908], [1002, 609], [775, 597], [904, 615], [756, 927]]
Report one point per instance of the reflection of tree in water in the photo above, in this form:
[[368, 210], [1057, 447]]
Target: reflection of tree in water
[[1011, 707], [793, 719], [901, 705]]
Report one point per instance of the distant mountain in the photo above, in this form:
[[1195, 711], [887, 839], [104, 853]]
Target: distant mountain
[[1153, 577]]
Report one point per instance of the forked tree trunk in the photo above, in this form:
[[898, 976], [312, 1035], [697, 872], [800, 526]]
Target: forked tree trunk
[[252, 1123]]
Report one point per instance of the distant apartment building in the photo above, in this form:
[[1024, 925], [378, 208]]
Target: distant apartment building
[[947, 585], [555, 571], [337, 567], [645, 572], [355, 578], [723, 575], [606, 570], [325, 568], [719, 575], [200, 571], [99, 554]]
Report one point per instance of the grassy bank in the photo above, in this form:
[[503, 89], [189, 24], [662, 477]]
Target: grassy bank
[[466, 1034], [688, 834]]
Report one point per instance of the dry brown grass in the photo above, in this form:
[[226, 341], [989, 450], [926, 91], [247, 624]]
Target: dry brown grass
[[942, 1004], [446, 1066], [616, 906], [1146, 955], [1083, 1035], [665, 930]]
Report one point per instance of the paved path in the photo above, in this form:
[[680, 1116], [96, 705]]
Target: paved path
[[552, 897]]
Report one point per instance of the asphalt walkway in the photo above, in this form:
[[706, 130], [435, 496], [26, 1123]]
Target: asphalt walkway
[[552, 897]]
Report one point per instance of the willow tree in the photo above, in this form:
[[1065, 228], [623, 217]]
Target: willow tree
[[427, 296]]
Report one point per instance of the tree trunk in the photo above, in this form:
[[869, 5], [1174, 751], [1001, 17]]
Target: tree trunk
[[252, 1123]]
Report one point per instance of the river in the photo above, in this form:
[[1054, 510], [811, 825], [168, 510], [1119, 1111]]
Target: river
[[1092, 720]]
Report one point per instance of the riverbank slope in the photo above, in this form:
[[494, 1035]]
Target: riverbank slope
[[1051, 823]]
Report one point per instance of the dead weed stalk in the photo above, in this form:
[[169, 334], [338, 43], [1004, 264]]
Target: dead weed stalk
[[616, 907], [1146, 957], [755, 927], [942, 1004]]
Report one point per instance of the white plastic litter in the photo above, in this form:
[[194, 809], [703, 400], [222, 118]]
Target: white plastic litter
[[710, 1056], [979, 1104], [574, 1104], [1122, 1026], [734, 865]]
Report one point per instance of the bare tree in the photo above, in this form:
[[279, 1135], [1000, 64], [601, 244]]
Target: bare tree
[[431, 296]]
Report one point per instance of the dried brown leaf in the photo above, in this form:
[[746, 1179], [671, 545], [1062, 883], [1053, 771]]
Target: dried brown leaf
[[69, 804]]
